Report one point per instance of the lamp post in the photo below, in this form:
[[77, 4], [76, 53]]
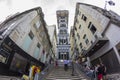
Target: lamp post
[[111, 3]]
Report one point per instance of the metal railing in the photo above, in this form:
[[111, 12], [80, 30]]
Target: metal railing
[[81, 69], [45, 72]]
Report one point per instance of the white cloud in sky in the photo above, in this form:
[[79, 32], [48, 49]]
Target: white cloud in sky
[[49, 7]]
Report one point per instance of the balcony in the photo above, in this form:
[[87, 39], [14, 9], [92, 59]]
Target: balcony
[[99, 42], [63, 45], [61, 35]]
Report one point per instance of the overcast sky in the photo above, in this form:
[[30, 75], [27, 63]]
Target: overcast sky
[[49, 7]]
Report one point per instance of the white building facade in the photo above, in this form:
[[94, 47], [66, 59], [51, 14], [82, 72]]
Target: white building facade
[[96, 37]]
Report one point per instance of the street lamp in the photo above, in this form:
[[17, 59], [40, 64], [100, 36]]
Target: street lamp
[[111, 3]]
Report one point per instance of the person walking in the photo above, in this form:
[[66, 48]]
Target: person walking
[[65, 65]]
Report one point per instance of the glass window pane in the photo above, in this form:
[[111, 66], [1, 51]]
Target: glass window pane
[[27, 43]]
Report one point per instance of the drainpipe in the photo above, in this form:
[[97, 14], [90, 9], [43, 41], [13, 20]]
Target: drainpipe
[[103, 33]]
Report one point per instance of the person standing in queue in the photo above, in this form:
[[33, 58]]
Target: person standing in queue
[[100, 72], [56, 64], [65, 65]]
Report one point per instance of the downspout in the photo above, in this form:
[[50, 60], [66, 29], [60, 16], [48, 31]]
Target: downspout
[[108, 25]]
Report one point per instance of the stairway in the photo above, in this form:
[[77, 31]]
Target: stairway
[[59, 74], [60, 62]]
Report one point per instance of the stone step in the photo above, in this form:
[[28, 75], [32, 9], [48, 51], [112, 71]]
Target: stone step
[[65, 76], [60, 74], [66, 79]]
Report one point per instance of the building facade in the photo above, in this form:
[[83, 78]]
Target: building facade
[[72, 43], [24, 41], [53, 38], [95, 35], [63, 46]]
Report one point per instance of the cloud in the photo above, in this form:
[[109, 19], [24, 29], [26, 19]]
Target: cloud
[[2, 0]]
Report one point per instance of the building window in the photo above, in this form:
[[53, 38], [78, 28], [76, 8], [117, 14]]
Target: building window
[[27, 42], [60, 41], [65, 32], [61, 31], [79, 26], [37, 24], [65, 41], [75, 40], [75, 28], [62, 25], [84, 37], [31, 35], [80, 45], [62, 17], [89, 25], [78, 35], [84, 17], [38, 45], [62, 20], [86, 41], [93, 29]]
